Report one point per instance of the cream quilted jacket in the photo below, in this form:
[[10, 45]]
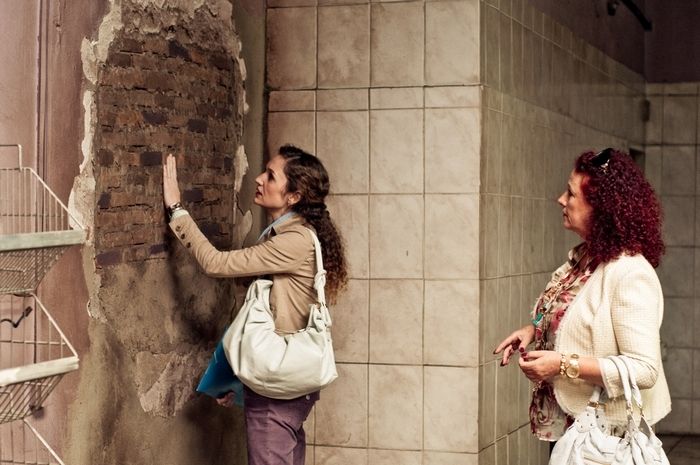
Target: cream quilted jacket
[[618, 311]]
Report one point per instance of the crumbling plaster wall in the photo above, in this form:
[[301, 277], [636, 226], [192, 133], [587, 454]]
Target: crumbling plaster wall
[[160, 77]]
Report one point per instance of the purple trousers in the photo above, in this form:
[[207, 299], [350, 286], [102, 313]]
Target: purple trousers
[[275, 428]]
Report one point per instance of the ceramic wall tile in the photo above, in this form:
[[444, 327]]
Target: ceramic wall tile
[[351, 215], [396, 321], [342, 99], [453, 96], [678, 363], [452, 236], [340, 456], [452, 42], [343, 46], [393, 457], [292, 100], [673, 273], [396, 244], [492, 26], [291, 48], [451, 409], [680, 120], [679, 221], [397, 41], [341, 414], [451, 313], [396, 98], [395, 407], [675, 330], [452, 148], [351, 323], [449, 458], [678, 421], [343, 146], [396, 151], [297, 128], [487, 404]]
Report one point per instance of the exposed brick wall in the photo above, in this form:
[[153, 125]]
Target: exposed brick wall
[[175, 91]]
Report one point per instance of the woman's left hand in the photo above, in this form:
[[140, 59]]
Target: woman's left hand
[[540, 365], [228, 400]]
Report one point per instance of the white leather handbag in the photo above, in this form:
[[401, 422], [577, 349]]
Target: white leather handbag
[[588, 442], [282, 366]]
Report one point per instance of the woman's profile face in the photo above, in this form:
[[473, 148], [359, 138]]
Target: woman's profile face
[[271, 192], [575, 208]]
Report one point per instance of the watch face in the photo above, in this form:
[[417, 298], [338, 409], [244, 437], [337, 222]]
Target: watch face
[[572, 371]]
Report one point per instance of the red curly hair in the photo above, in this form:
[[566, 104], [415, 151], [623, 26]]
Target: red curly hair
[[626, 216]]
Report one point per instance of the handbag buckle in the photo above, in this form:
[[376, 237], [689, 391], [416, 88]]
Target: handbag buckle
[[596, 404]]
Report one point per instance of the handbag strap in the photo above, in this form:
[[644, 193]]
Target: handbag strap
[[320, 278], [636, 392], [594, 400], [629, 383], [628, 379]]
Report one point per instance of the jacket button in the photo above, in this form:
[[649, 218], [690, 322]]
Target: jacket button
[[178, 228], [182, 236], [189, 244]]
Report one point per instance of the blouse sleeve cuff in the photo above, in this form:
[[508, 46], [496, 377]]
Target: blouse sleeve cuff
[[178, 213], [611, 378]]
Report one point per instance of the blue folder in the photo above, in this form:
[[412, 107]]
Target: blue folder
[[218, 380]]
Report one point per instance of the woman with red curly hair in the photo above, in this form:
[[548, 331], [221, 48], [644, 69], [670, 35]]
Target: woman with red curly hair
[[605, 300]]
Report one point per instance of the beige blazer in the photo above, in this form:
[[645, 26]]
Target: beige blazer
[[288, 256], [618, 311]]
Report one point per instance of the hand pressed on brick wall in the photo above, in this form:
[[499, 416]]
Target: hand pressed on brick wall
[[171, 191]]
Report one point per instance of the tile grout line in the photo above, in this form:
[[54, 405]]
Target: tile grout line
[[369, 229], [423, 248]]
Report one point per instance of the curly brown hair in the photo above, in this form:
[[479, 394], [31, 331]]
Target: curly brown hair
[[626, 216], [307, 175]]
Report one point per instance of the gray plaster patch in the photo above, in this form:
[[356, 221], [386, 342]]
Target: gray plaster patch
[[166, 382]]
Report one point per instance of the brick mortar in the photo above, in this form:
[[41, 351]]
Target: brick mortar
[[175, 91]]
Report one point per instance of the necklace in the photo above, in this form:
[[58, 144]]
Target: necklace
[[553, 293]]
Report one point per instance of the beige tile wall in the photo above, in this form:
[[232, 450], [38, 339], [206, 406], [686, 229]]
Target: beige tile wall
[[387, 95], [672, 164], [448, 128], [548, 96]]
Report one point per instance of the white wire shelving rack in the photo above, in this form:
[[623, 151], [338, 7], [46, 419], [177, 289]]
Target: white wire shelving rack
[[36, 228]]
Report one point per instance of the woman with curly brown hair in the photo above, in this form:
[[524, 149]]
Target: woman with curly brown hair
[[605, 300], [292, 190]]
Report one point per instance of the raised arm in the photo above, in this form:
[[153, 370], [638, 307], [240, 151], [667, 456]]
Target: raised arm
[[280, 254]]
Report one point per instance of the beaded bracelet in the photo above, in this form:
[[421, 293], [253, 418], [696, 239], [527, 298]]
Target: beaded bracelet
[[563, 362]]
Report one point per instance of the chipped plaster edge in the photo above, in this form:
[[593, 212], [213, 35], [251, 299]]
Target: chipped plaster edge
[[81, 202], [242, 222]]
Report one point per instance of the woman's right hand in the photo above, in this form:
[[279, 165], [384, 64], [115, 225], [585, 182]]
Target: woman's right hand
[[518, 340], [171, 190]]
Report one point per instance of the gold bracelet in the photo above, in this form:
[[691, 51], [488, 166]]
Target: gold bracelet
[[563, 364], [174, 207], [573, 368]]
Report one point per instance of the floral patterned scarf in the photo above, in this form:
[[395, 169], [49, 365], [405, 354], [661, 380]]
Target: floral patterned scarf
[[547, 420]]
